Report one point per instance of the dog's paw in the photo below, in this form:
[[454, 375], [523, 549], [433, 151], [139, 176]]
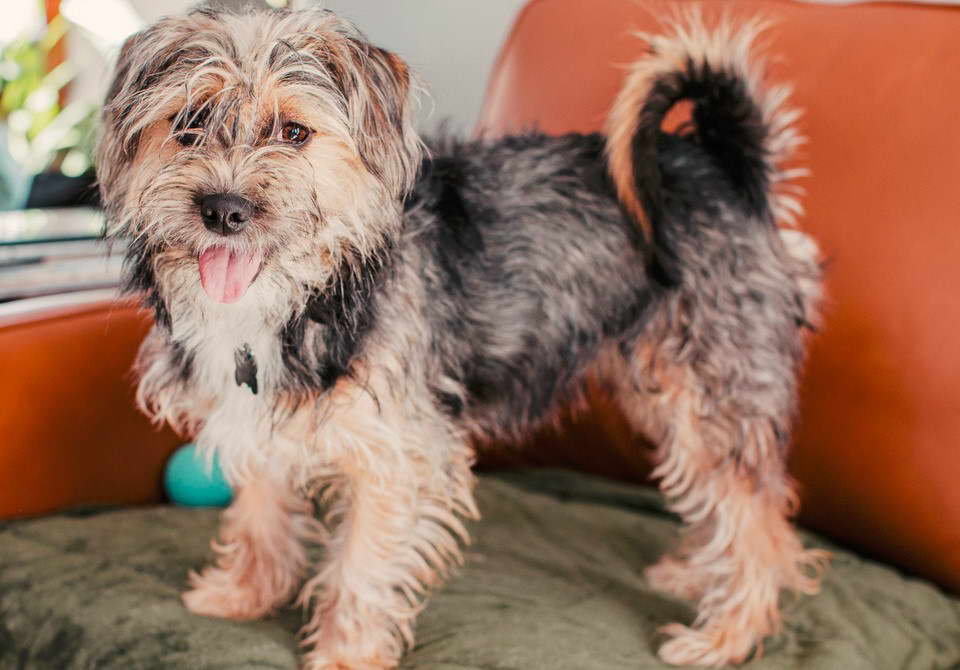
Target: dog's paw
[[710, 647], [320, 660], [351, 637], [214, 595], [675, 577]]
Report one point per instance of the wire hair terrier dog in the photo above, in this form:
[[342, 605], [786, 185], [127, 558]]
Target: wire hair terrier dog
[[340, 311]]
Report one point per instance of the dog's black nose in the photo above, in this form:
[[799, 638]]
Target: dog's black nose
[[225, 213]]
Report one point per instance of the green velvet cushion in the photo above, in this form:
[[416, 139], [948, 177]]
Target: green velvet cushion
[[553, 581]]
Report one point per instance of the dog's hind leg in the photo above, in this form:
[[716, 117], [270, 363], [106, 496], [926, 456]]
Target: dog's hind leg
[[713, 382]]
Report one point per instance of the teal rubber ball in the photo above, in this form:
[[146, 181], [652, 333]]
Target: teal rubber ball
[[189, 482]]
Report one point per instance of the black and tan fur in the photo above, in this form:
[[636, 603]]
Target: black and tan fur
[[411, 300]]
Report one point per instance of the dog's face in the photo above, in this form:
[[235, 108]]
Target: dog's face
[[254, 147]]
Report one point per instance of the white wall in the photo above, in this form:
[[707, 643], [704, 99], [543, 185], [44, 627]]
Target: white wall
[[451, 43], [92, 56]]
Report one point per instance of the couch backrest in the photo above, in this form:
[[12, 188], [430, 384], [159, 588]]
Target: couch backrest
[[878, 443]]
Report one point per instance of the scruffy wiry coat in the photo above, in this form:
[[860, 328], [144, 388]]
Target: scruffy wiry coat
[[393, 304]]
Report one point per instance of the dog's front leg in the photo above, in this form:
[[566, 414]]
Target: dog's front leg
[[395, 534], [261, 557]]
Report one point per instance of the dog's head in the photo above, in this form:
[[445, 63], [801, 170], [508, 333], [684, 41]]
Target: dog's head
[[254, 147]]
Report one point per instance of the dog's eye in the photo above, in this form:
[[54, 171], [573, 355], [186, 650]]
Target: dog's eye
[[187, 122], [294, 133]]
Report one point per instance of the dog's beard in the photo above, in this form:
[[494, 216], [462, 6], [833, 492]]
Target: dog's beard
[[305, 222]]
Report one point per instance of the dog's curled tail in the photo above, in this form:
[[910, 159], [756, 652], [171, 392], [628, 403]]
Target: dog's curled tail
[[747, 129]]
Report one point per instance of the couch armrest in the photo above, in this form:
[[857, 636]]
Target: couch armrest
[[70, 432]]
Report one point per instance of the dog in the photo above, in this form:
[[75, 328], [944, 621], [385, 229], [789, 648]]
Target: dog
[[342, 310]]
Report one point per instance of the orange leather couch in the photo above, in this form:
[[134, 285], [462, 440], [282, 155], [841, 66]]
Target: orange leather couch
[[876, 448], [70, 432]]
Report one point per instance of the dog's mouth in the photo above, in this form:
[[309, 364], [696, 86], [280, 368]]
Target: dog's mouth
[[226, 274]]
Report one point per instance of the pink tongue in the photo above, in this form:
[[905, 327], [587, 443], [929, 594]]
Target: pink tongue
[[226, 275]]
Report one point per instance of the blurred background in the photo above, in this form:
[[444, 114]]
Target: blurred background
[[879, 418], [55, 60]]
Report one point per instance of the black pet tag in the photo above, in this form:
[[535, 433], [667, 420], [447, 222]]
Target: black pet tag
[[246, 372]]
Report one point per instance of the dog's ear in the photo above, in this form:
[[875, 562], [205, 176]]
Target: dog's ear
[[129, 76], [117, 143], [130, 106], [172, 44], [377, 87], [139, 89]]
